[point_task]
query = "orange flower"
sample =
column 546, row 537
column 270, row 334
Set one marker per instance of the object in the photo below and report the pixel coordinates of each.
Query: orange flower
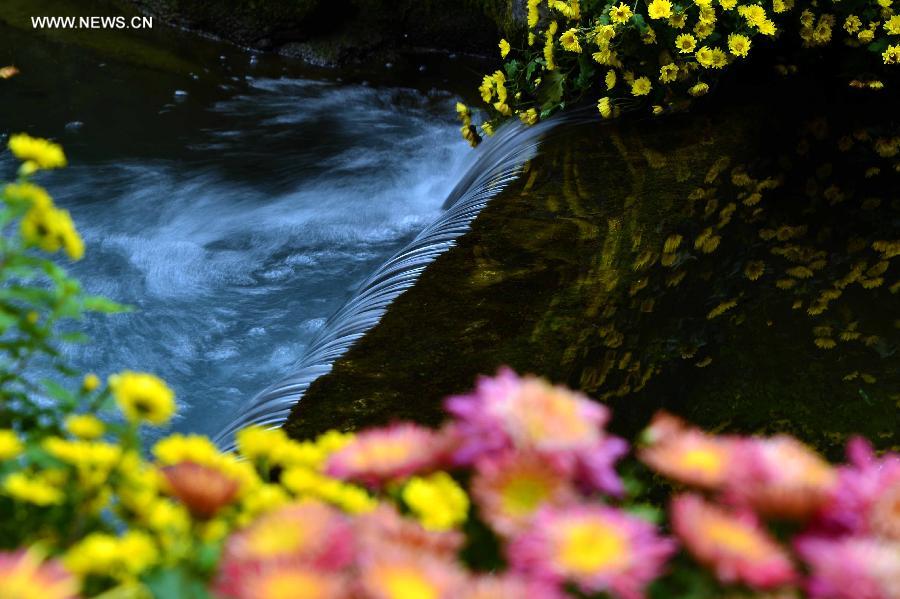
column 203, row 490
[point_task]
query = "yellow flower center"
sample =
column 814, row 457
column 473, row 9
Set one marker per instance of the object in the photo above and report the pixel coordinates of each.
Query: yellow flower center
column 704, row 459
column 408, row 584
column 288, row 585
column 590, row 547
column 270, row 538
column 522, row 495
column 733, row 537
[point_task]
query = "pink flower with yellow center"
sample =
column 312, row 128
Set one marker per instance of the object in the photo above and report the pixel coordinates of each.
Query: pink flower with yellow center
column 732, row 545
column 23, row 575
column 599, row 549
column 308, row 532
column 510, row 488
column 384, row 528
column 852, row 567
column 383, row 454
column 287, row 581
column 866, row 497
column 528, row 414
column 781, row 477
column 510, row 586
column 393, row 574
column 687, row 454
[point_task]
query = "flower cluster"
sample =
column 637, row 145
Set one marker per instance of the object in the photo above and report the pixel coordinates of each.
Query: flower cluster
column 541, row 475
column 664, row 52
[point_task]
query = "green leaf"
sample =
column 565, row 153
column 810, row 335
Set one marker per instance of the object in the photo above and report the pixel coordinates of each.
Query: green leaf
column 59, row 393
column 97, row 303
column 176, row 583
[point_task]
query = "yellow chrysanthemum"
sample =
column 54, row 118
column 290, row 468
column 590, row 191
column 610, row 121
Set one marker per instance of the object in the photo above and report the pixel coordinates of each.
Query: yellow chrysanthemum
column 85, row 426
column 604, row 105
column 37, row 152
column 891, row 55
column 51, row 229
column 437, row 501
column 529, row 117
column 892, row 25
column 569, row 40
column 143, row 397
column 620, row 14
column 668, row 73
column 504, row 48
column 738, row 44
column 259, row 443
column 659, row 9
column 22, row 487
column 610, row 79
column 641, row 86
column 10, row 445
column 685, row 43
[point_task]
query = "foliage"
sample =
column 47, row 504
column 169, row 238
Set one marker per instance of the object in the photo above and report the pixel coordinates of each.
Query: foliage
column 38, row 298
column 664, row 53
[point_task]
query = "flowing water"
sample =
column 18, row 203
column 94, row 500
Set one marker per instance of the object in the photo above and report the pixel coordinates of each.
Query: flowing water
column 236, row 206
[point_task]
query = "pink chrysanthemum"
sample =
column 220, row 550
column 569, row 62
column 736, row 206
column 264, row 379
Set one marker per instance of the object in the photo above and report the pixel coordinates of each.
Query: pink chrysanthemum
column 384, row 528
column 398, row 574
column 383, row 454
column 510, row 586
column 781, row 477
column 733, row 545
column 24, row 576
column 288, row 581
column 687, row 454
column 527, row 413
column 866, row 498
column 509, row 488
column 852, row 567
column 308, row 532
column 595, row 547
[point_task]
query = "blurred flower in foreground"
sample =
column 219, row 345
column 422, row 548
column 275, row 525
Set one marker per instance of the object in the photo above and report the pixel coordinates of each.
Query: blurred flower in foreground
column 596, row 547
column 527, row 413
column 308, row 532
column 781, row 477
column 866, row 499
column 143, row 397
column 507, row 586
column 286, row 580
column 386, row 528
column 397, row 574
column 203, row 490
column 852, row 567
column 437, row 501
column 687, row 454
column 383, row 454
column 10, row 445
column 8, row 72
column 24, row 576
column 734, row 546
column 510, row 488
column 36, row 152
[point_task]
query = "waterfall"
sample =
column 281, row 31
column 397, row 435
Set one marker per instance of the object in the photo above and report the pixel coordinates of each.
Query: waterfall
column 493, row 165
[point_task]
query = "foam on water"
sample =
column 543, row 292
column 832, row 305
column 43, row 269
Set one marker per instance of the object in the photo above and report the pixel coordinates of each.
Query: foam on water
column 237, row 253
